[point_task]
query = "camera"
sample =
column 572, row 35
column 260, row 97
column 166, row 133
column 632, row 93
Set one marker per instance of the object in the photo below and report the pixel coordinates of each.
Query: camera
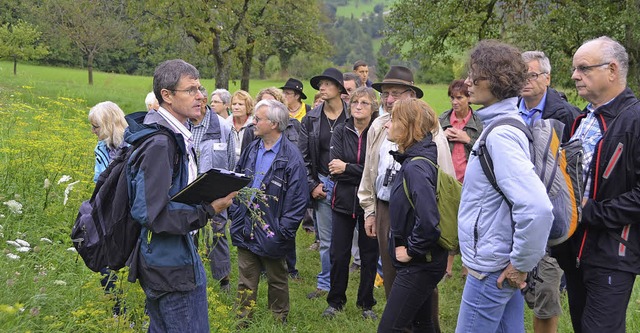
column 388, row 177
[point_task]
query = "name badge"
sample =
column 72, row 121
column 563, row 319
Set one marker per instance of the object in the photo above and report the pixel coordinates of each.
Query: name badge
column 219, row 146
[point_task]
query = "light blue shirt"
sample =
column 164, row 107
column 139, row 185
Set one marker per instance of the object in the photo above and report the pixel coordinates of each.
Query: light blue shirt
column 535, row 113
column 264, row 159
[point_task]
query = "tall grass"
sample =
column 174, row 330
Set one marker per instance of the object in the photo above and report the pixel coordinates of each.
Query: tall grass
column 44, row 135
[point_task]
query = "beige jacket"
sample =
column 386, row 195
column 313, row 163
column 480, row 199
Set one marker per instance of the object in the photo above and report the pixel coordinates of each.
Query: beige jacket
column 377, row 133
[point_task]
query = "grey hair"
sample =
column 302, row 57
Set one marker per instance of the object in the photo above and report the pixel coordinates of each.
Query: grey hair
column 150, row 99
column 350, row 76
column 277, row 113
column 543, row 60
column 224, row 95
column 168, row 74
column 614, row 51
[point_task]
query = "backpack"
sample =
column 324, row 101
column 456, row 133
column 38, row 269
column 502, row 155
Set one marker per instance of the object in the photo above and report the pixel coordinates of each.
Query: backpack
column 448, row 192
column 558, row 165
column 104, row 233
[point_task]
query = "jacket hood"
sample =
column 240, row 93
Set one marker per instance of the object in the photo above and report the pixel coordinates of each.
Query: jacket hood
column 153, row 122
column 426, row 148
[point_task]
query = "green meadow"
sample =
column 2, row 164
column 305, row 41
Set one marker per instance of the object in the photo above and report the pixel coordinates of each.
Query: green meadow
column 46, row 170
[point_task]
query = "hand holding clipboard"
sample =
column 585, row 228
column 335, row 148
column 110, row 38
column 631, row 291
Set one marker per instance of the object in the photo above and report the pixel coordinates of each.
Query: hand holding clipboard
column 211, row 185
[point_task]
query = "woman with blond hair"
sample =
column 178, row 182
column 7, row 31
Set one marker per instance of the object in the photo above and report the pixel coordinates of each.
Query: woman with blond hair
column 241, row 117
column 419, row 261
column 108, row 124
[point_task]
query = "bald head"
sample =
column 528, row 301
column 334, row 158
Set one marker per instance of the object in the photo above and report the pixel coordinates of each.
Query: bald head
column 600, row 68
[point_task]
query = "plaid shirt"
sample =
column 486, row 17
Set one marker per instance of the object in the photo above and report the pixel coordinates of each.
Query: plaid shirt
column 199, row 130
column 589, row 133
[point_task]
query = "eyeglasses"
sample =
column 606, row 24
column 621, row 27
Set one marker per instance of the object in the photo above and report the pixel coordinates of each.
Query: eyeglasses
column 532, row 76
column 192, row 91
column 393, row 94
column 361, row 103
column 587, row 69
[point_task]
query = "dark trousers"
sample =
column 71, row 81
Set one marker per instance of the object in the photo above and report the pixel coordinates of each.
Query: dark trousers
column 291, row 259
column 409, row 306
column 340, row 254
column 249, row 266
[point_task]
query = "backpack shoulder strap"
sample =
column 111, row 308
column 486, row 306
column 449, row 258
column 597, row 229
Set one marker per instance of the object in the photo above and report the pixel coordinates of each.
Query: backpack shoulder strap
column 404, row 181
column 486, row 162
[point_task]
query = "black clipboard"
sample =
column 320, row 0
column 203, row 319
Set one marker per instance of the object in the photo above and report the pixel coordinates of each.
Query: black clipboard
column 211, row 185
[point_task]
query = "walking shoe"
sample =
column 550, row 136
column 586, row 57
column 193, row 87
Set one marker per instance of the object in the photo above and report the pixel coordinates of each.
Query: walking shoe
column 314, row 246
column 330, row 312
column 354, row 267
column 295, row 276
column 317, row 293
column 369, row 314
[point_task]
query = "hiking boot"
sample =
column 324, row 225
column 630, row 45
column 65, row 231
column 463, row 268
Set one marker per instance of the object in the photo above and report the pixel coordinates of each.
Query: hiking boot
column 369, row 314
column 317, row 293
column 315, row 246
column 330, row 312
column 295, row 276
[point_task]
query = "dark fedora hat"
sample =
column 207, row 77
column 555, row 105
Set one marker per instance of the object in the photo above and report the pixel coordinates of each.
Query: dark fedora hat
column 294, row 85
column 329, row 74
column 398, row 76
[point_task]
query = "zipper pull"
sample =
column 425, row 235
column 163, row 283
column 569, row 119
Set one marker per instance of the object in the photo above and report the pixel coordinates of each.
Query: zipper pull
column 577, row 262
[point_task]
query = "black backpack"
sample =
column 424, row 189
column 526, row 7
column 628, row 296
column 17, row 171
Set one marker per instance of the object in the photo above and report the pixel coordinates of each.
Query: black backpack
column 104, row 233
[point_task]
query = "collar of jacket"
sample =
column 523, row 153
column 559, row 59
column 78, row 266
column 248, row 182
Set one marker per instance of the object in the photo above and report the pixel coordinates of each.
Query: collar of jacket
column 497, row 110
column 426, row 147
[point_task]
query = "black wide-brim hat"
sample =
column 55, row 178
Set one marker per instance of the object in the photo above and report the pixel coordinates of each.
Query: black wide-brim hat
column 296, row 86
column 398, row 76
column 331, row 74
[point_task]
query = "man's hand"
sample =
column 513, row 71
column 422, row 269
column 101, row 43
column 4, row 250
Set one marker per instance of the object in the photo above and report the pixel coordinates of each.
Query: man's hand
column 401, row 254
column 318, row 193
column 221, row 204
column 514, row 277
column 370, row 226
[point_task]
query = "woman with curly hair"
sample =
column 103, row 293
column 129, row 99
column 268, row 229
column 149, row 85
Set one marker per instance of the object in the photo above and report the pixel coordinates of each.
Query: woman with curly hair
column 502, row 235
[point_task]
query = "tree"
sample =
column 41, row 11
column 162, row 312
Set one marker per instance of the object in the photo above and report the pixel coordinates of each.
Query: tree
column 21, row 42
column 93, row 25
column 441, row 30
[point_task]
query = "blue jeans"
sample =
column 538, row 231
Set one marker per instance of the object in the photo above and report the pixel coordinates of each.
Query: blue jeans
column 178, row 311
column 485, row 308
column 323, row 219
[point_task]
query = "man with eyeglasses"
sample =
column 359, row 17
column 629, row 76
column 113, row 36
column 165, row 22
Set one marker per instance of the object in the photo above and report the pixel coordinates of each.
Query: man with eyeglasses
column 602, row 258
column 539, row 101
column 165, row 260
column 380, row 170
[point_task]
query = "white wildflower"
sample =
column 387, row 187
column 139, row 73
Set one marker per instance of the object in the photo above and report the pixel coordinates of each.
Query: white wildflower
column 23, row 242
column 47, row 183
column 14, row 206
column 64, row 179
column 72, row 249
column 59, row 283
column 68, row 190
column 13, row 256
column 1, row 216
column 23, row 249
column 46, row 240
column 14, row 243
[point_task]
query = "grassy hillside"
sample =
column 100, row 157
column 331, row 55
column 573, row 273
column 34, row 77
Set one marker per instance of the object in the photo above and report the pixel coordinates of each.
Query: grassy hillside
column 359, row 8
column 45, row 135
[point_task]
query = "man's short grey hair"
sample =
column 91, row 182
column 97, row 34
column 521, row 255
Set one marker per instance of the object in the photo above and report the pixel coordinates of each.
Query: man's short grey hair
column 543, row 60
column 614, row 51
column 150, row 99
column 350, row 76
column 168, row 74
column 224, row 95
column 277, row 113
